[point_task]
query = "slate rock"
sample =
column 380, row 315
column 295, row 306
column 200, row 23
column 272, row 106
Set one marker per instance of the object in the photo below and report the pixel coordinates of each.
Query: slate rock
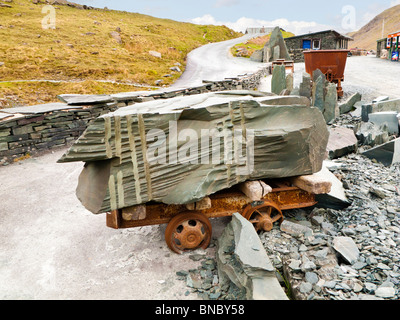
column 247, row 268
column 347, row 106
column 278, row 82
column 336, row 198
column 155, row 54
column 387, row 153
column 305, row 86
column 85, row 99
column 386, row 117
column 121, row 172
column 116, row 36
column 331, row 108
column 342, row 141
column 305, row 287
column 311, row 277
column 347, row 248
column 385, row 292
column 289, row 82
column 257, row 56
column 276, row 41
column 370, row 134
column 295, row 229
column 318, row 95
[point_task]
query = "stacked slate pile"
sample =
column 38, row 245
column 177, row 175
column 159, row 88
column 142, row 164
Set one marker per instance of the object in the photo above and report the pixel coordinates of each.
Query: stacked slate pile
column 41, row 127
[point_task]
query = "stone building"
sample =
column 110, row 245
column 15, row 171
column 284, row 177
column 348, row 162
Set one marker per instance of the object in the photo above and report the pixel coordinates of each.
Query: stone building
column 322, row 40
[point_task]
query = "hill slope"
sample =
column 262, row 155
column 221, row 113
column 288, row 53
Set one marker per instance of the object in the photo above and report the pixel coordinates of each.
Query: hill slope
column 246, row 49
column 89, row 45
column 366, row 37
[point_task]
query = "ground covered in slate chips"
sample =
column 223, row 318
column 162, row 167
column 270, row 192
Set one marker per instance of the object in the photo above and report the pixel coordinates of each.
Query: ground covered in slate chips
column 307, row 265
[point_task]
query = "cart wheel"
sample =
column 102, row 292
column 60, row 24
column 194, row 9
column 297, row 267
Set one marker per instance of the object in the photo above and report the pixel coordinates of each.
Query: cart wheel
column 329, row 75
column 188, row 231
column 263, row 214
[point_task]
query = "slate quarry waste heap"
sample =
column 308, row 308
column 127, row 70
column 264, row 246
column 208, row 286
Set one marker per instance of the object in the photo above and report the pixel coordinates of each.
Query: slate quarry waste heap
column 158, row 150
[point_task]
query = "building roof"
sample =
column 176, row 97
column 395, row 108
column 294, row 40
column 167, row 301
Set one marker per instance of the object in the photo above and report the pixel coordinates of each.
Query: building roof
column 393, row 33
column 337, row 34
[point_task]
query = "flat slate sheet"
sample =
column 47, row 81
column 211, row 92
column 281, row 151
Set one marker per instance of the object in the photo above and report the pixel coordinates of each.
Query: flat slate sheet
column 179, row 150
column 4, row 115
column 84, row 99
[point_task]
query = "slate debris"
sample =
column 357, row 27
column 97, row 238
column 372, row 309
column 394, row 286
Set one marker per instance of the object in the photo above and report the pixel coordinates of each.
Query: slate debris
column 370, row 228
column 204, row 281
column 308, row 265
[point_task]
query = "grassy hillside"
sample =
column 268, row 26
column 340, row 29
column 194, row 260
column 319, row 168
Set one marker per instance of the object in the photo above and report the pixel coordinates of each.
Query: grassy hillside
column 249, row 47
column 82, row 48
column 366, row 37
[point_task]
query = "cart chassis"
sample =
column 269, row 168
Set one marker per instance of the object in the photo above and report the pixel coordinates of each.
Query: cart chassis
column 222, row 204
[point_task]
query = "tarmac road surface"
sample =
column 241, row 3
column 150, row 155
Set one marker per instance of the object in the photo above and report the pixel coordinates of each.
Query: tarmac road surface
column 215, row 62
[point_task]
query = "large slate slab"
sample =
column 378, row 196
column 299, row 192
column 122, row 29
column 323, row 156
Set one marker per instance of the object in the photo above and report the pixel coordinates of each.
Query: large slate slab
column 247, row 264
column 276, row 48
column 278, row 81
column 341, row 141
column 380, row 106
column 387, row 153
column 386, row 117
column 85, row 99
column 4, row 115
column 126, row 164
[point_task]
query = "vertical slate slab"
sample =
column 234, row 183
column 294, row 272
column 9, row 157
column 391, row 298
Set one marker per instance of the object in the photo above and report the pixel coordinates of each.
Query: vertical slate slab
column 276, row 41
column 387, row 154
column 242, row 260
column 331, row 111
column 318, row 99
column 278, row 82
column 289, row 82
column 366, row 109
column 305, row 86
column 276, row 53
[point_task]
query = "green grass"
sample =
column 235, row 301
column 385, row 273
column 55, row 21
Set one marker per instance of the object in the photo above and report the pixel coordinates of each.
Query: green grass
column 254, row 44
column 81, row 48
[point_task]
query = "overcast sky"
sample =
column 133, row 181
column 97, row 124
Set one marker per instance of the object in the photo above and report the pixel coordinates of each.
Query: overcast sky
column 295, row 16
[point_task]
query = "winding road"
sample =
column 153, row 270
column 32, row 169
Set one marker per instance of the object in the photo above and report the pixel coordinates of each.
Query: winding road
column 215, row 62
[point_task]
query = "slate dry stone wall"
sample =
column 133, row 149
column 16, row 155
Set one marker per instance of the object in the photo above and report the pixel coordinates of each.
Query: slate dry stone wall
column 24, row 133
column 32, row 129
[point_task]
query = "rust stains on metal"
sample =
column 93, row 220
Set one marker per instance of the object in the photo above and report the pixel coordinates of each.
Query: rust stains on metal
column 332, row 63
column 222, row 204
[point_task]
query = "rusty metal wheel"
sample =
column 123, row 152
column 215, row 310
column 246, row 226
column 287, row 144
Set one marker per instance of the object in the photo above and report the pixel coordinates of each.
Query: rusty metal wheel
column 263, row 215
column 188, row 231
column 330, row 76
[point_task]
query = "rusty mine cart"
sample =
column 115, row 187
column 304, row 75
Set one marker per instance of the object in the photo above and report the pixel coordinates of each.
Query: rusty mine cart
column 189, row 226
column 331, row 63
